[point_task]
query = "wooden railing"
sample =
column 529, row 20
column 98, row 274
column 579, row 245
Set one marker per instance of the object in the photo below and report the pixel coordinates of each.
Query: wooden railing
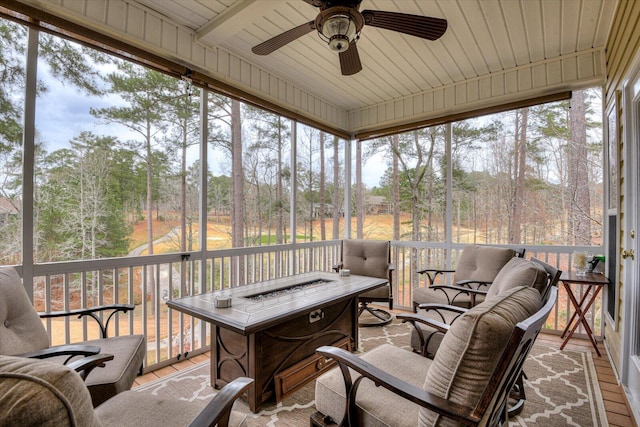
column 149, row 281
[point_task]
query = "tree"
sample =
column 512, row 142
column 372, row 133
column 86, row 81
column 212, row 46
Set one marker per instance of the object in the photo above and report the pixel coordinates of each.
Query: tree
column 185, row 121
column 272, row 136
column 520, row 163
column 578, row 185
column 69, row 63
column 140, row 89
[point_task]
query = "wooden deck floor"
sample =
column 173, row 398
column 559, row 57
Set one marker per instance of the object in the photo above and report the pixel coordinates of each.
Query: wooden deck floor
column 615, row 402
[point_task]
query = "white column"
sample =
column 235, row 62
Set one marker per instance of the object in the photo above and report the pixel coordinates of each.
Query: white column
column 449, row 192
column 293, row 196
column 204, row 168
column 28, row 161
column 347, row 188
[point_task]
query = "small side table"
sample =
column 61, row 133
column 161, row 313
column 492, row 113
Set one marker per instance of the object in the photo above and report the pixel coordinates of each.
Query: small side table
column 594, row 283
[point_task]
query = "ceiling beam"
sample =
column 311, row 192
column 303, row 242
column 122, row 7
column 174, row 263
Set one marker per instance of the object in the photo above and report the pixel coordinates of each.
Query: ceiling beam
column 229, row 22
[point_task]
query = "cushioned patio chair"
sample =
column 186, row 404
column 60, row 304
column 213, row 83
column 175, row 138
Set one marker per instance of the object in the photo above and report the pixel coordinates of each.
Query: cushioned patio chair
column 476, row 268
column 22, row 333
column 41, row 393
column 467, row 383
column 370, row 258
column 433, row 320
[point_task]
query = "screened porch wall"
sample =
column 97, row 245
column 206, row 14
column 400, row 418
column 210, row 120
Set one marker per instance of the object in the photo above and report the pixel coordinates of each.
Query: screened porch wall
column 172, row 336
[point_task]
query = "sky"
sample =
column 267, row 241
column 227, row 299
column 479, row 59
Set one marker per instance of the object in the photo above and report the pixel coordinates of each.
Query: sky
column 63, row 112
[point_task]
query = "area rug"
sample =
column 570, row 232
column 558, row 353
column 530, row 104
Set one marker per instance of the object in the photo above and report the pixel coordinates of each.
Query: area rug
column 562, row 387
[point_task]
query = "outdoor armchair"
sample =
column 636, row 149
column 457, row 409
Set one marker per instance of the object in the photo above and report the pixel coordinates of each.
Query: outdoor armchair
column 433, row 321
column 41, row 393
column 370, row 258
column 468, row 382
column 476, row 268
column 22, row 333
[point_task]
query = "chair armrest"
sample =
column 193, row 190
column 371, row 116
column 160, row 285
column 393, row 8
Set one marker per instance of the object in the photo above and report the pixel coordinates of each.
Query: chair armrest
column 70, row 350
column 468, row 283
column 436, row 307
column 87, row 364
column 432, row 273
column 416, row 318
column 454, row 411
column 91, row 311
column 434, row 270
column 425, row 335
column 218, row 411
column 459, row 290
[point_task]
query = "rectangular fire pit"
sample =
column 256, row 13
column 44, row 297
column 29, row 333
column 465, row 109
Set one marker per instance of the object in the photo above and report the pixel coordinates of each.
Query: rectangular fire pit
column 272, row 329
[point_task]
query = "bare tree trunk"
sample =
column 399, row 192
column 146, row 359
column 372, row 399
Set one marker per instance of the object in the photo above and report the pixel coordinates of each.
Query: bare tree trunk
column 336, row 188
column 359, row 192
column 396, row 189
column 515, row 234
column 237, row 205
column 580, row 203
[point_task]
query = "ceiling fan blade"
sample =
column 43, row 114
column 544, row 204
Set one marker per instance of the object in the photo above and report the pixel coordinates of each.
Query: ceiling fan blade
column 424, row 27
column 350, row 60
column 280, row 40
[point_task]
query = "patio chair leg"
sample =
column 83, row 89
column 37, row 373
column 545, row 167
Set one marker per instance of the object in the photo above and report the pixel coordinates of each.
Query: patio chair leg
column 517, row 396
column 384, row 317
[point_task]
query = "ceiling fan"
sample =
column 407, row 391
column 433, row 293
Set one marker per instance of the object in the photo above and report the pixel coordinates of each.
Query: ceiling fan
column 339, row 24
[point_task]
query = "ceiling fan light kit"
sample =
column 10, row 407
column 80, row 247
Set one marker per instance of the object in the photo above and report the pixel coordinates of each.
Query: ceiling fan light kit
column 339, row 24
column 339, row 27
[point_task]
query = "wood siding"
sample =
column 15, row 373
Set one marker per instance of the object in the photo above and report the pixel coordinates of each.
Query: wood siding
column 622, row 47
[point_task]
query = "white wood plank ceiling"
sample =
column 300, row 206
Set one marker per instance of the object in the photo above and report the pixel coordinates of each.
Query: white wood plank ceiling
column 494, row 51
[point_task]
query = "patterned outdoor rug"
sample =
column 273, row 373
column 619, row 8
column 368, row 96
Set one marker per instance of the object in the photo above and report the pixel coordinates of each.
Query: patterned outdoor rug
column 562, row 387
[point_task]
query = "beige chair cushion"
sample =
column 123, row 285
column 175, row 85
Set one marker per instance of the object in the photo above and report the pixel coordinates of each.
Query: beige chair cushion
column 482, row 263
column 135, row 409
column 21, row 329
column 519, row 272
column 476, row 262
column 469, row 352
column 377, row 406
column 40, row 393
column 128, row 354
column 366, row 257
column 379, row 293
